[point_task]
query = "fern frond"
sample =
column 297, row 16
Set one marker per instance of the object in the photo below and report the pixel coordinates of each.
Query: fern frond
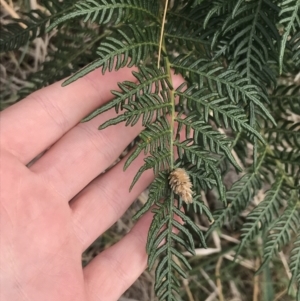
column 226, row 83
column 289, row 159
column 182, row 13
column 158, row 161
column 239, row 196
column 280, row 233
column 295, row 43
column 155, row 136
column 158, row 189
column 147, row 81
column 113, row 11
column 290, row 20
column 219, row 9
column 128, row 47
column 149, row 107
column 262, row 216
column 206, row 136
column 161, row 244
column 286, row 98
column 178, row 35
column 295, row 263
column 285, row 133
column 201, row 180
column 210, row 105
column 254, row 39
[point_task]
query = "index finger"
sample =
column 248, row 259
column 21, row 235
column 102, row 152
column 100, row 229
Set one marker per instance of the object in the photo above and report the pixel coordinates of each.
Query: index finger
column 32, row 125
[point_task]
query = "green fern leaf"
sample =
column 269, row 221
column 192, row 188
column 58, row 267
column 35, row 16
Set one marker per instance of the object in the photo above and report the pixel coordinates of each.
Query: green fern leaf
column 286, row 99
column 160, row 244
column 103, row 11
column 227, row 83
column 158, row 190
column 295, row 263
column 147, row 81
column 126, row 48
column 182, row 13
column 205, row 135
column 285, row 133
column 262, row 216
column 227, row 113
column 155, row 136
column 254, row 40
column 238, row 197
column 179, row 35
column 240, row 194
column 149, row 106
column 201, row 179
column 280, row 233
column 157, row 161
column 290, row 19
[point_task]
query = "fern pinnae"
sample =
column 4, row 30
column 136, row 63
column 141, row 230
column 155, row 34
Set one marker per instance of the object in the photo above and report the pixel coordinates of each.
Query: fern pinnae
column 227, row 82
column 203, row 132
column 295, row 264
column 295, row 42
column 197, row 157
column 146, row 81
column 148, row 107
column 158, row 190
column 240, row 194
column 153, row 137
column 104, row 12
column 125, row 49
column 287, row 132
column 227, row 113
column 157, row 161
column 262, row 215
column 290, row 19
column 281, row 231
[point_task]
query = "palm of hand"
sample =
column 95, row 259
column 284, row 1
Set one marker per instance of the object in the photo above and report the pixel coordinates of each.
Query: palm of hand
column 41, row 256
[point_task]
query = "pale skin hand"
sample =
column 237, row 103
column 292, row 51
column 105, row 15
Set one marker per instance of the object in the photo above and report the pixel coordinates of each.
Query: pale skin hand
column 53, row 210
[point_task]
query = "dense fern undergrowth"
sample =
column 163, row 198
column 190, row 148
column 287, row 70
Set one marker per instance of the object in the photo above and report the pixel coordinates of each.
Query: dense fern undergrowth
column 237, row 109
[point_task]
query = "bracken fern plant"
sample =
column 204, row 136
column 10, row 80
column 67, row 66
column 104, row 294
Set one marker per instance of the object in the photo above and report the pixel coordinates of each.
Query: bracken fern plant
column 237, row 109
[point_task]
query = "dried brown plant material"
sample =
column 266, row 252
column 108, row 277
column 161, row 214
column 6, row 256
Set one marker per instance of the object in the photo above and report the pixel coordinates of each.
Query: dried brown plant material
column 181, row 184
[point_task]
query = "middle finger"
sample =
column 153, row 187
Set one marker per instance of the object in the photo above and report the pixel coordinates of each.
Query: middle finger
column 82, row 154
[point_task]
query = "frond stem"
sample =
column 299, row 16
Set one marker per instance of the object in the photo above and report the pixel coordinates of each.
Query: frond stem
column 172, row 103
column 162, row 32
column 169, row 240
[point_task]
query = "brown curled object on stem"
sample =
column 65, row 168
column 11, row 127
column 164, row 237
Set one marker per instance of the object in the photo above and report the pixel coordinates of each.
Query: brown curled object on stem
column 181, row 184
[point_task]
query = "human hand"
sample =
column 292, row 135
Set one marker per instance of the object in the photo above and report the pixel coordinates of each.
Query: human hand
column 53, row 210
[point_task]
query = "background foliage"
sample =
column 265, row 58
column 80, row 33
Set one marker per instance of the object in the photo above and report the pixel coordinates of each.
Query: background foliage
column 238, row 110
